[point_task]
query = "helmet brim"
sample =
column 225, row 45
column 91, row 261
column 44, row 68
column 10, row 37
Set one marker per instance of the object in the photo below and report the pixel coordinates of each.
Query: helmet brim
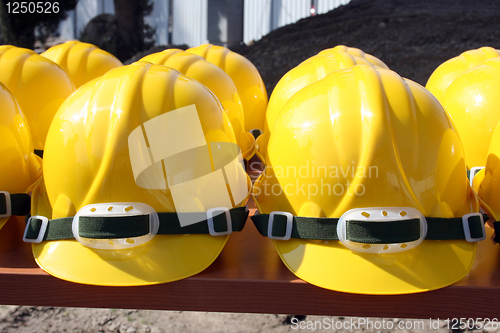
column 431, row 265
column 165, row 258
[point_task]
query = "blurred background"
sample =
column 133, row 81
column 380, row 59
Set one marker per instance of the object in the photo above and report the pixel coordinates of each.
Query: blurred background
column 412, row 37
column 125, row 27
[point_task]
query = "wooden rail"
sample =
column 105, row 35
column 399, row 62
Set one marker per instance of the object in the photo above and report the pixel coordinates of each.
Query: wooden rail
column 247, row 277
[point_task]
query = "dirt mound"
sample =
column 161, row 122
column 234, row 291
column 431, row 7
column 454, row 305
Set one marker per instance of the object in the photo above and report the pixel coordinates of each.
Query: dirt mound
column 412, row 37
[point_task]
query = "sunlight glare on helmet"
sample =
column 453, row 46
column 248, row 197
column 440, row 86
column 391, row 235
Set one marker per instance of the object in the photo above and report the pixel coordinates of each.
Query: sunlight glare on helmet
column 334, row 117
column 478, row 99
column 365, row 113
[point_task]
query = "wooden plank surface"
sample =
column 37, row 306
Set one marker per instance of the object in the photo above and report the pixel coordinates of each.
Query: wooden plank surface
column 248, row 277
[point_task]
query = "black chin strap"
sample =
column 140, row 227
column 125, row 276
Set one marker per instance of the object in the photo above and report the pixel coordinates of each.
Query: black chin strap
column 372, row 232
column 113, row 227
column 18, row 204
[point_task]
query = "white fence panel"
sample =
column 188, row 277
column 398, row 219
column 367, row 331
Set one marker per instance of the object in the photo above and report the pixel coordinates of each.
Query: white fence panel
column 85, row 10
column 256, row 19
column 289, row 11
column 158, row 19
column 189, row 22
column 189, row 17
column 263, row 16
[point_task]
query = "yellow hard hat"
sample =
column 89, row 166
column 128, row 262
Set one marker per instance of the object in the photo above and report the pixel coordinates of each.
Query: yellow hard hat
column 19, row 166
column 82, row 61
column 471, row 100
column 141, row 182
column 365, row 188
column 218, row 82
column 39, row 86
column 246, row 78
column 486, row 183
column 447, row 72
column 309, row 71
column 356, row 53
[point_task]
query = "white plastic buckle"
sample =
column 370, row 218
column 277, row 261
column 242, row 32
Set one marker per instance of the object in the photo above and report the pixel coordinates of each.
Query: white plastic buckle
column 114, row 210
column 289, row 226
column 41, row 232
column 8, row 204
column 465, row 224
column 381, row 214
column 210, row 221
column 472, row 173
